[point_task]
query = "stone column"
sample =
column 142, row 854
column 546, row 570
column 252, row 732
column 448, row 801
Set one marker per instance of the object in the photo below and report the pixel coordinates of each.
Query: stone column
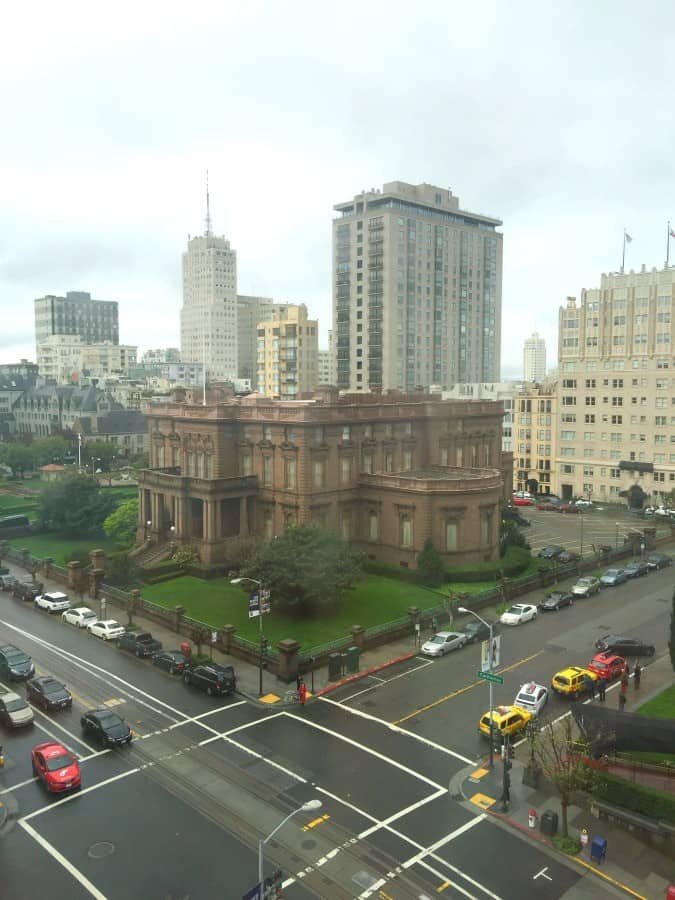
column 288, row 659
column 243, row 517
column 226, row 635
column 178, row 613
column 74, row 575
column 358, row 636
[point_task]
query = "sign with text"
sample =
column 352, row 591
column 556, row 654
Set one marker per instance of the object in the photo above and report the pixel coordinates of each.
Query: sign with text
column 490, row 676
column 490, row 655
column 253, row 606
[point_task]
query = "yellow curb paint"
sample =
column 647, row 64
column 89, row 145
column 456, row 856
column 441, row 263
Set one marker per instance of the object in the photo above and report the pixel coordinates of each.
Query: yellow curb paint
column 442, row 887
column 479, row 773
column 269, row 698
column 608, row 878
column 482, row 800
column 467, row 687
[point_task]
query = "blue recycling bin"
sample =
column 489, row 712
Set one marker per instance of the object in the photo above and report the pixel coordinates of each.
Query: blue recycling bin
column 599, row 849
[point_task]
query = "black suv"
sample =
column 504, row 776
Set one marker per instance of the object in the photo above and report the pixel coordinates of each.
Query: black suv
column 212, row 678
column 15, row 665
column 551, row 552
column 106, row 726
column 26, row 590
column 476, row 631
column 624, row 646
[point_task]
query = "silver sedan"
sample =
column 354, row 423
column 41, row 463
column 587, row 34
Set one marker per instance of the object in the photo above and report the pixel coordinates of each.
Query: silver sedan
column 443, row 643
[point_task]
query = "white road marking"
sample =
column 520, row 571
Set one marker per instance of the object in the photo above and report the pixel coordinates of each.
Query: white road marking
column 62, row 728
column 444, row 840
column 397, row 728
column 212, row 712
column 443, row 877
column 542, row 874
column 402, row 813
column 374, row 687
column 71, row 797
column 15, row 787
column 68, row 866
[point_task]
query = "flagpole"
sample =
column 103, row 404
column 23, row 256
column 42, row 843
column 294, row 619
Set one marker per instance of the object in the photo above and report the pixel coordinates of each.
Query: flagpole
column 623, row 252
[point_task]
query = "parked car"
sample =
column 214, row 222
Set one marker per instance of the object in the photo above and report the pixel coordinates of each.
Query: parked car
column 573, row 681
column 555, row 601
column 107, row 630
column 505, row 720
column 612, row 577
column 106, row 727
column 532, row 697
column 443, row 643
column 636, row 569
column 567, row 556
column 550, row 552
column 523, row 495
column 547, row 506
column 172, row 661
column 522, row 501
column 518, row 613
column 15, row 665
column 48, row 693
column 212, row 678
column 658, row 560
column 582, row 501
column 26, row 590
column 475, row 631
column 569, row 508
column 56, row 767
column 14, row 711
column 81, row 617
column 607, row 665
column 586, row 586
column 624, row 646
column 142, row 643
column 53, row 602
column 7, row 582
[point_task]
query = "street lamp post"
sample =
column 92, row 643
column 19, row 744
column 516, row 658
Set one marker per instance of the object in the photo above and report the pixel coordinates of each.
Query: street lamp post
column 310, row 806
column 148, row 526
column 463, row 609
column 581, row 545
column 260, row 627
column 616, row 535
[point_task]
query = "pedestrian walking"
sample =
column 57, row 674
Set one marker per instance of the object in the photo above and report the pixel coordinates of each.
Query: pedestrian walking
column 622, row 701
column 602, row 687
column 589, row 684
column 637, row 674
column 302, row 692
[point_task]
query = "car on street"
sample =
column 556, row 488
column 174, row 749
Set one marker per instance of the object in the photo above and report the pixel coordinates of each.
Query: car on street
column 80, row 616
column 555, row 601
column 547, row 506
column 475, row 631
column 583, row 502
column 26, row 590
column 624, row 646
column 522, row 501
column 573, row 681
column 141, row 643
column 15, row 665
column 443, row 642
column 569, row 508
column 550, row 552
column 48, row 693
column 14, row 711
column 172, row 661
column 612, row 577
column 107, row 630
column 7, row 582
column 567, row 556
column 658, row 560
column 518, row 613
column 53, row 602
column 56, row 767
column 584, row 587
column 607, row 665
column 106, row 727
column 506, row 720
column 636, row 569
column 213, row 678
column 531, row 697
column 523, row 495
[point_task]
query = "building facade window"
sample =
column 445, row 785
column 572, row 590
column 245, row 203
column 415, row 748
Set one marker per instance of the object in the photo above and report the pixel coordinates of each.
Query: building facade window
column 319, row 473
column 267, row 470
column 289, row 474
column 451, row 536
column 406, row 530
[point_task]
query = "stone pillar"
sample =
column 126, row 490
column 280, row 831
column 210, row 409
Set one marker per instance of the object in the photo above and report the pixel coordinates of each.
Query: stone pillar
column 243, row 517
column 97, row 558
column 226, row 635
column 288, row 659
column 95, row 579
column 413, row 615
column 75, row 575
column 358, row 636
column 178, row 613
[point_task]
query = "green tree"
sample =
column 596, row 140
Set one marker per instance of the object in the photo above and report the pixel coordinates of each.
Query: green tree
column 18, row 457
column 671, row 642
column 74, row 506
column 121, row 570
column 306, row 569
column 430, row 568
column 120, row 526
column 48, row 450
column 99, row 454
column 510, row 536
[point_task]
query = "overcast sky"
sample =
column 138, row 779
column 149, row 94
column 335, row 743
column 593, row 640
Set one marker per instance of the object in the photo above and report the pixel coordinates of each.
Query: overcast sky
column 557, row 118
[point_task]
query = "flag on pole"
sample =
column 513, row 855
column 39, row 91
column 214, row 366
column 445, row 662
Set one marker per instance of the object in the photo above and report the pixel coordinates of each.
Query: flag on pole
column 672, row 233
column 629, row 239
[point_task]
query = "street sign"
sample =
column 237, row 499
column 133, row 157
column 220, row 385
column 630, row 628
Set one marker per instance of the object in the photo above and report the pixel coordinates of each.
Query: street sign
column 254, row 893
column 490, row 676
column 489, row 656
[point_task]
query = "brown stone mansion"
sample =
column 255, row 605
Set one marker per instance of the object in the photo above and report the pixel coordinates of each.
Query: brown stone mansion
column 385, row 472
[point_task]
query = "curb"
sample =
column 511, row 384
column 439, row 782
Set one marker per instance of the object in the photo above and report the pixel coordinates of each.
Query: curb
column 574, row 859
column 358, row 675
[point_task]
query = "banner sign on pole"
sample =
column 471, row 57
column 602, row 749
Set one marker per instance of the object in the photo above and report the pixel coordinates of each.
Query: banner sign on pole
column 490, row 655
column 253, row 606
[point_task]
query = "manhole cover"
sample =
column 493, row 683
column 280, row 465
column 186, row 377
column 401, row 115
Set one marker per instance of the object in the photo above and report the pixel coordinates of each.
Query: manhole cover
column 308, row 845
column 101, row 849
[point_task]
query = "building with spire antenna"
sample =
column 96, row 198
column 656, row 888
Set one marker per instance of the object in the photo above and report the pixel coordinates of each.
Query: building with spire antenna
column 208, row 319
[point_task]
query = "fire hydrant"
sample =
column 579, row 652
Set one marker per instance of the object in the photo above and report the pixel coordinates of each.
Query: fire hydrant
column 532, row 818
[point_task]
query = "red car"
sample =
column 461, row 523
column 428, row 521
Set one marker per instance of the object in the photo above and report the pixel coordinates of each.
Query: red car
column 568, row 508
column 56, row 767
column 547, row 505
column 607, row 665
column 522, row 501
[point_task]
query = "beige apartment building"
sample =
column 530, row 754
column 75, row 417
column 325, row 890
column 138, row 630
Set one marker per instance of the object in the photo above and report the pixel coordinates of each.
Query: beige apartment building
column 288, row 349
column 616, row 388
column 250, row 312
column 417, row 290
column 535, row 438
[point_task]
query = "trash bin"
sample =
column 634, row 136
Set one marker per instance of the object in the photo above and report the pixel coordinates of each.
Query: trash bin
column 352, row 659
column 334, row 666
column 549, row 822
column 598, row 848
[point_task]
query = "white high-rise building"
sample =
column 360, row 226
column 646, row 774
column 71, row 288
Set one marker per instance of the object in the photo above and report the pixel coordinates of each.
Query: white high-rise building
column 534, row 359
column 208, row 319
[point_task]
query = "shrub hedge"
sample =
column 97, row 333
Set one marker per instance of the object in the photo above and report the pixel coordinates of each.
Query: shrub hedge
column 514, row 561
column 637, row 797
column 374, row 567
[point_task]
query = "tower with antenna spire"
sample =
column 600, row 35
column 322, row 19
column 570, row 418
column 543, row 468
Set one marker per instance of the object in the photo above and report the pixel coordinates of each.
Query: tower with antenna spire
column 208, row 318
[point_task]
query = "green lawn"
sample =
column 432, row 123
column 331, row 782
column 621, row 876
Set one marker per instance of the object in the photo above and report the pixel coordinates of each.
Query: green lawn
column 660, row 707
column 373, row 601
column 57, row 547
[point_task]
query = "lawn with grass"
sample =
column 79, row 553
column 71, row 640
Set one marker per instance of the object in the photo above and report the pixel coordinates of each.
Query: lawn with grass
column 660, row 707
column 56, row 546
column 373, row 601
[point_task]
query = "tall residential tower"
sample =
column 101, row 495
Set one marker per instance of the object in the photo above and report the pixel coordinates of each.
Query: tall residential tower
column 77, row 315
column 417, row 290
column 534, row 359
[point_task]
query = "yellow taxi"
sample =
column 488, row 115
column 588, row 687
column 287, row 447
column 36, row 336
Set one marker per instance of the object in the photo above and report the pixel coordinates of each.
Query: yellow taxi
column 505, row 720
column 574, row 681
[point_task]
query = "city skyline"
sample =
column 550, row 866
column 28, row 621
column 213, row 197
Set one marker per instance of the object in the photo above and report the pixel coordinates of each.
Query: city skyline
column 108, row 206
